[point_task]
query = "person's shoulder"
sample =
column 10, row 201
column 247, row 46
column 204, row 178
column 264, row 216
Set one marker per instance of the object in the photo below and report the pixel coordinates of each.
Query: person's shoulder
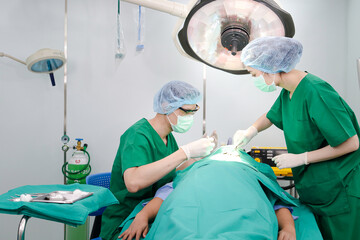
column 317, row 86
column 141, row 127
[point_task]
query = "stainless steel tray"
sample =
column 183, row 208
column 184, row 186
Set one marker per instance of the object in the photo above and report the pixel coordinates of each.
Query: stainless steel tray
column 66, row 197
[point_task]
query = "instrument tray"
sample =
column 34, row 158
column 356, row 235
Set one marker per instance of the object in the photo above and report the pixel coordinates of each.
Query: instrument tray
column 62, row 197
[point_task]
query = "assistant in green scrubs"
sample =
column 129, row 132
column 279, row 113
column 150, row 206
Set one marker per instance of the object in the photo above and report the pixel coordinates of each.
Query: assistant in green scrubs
column 321, row 133
column 316, row 116
column 139, row 145
column 148, row 153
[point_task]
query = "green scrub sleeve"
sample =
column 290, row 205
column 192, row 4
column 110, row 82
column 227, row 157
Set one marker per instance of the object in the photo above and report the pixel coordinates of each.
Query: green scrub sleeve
column 275, row 113
column 330, row 114
column 135, row 153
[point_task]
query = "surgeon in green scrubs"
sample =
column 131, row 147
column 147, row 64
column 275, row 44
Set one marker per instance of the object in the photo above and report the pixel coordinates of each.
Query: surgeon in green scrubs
column 148, row 153
column 321, row 134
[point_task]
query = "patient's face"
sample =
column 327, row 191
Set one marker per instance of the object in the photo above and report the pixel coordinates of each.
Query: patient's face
column 229, row 154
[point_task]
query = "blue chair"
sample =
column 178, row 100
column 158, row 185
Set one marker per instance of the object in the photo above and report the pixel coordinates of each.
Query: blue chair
column 103, row 180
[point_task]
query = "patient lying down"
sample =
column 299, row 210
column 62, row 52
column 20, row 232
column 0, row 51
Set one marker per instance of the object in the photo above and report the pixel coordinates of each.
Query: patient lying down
column 140, row 226
column 227, row 195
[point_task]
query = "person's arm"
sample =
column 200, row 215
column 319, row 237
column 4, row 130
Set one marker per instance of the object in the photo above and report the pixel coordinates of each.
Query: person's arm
column 186, row 164
column 286, row 224
column 333, row 119
column 289, row 160
column 328, row 152
column 138, row 178
column 140, row 226
column 243, row 137
column 262, row 123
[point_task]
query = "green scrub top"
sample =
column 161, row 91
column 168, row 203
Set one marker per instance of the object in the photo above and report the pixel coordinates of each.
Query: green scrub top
column 139, row 145
column 316, row 116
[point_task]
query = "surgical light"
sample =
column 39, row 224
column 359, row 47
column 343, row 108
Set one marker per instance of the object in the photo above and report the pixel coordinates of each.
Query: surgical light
column 43, row 61
column 215, row 31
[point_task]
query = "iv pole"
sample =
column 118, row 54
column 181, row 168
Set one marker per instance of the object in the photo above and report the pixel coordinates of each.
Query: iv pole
column 204, row 99
column 65, row 139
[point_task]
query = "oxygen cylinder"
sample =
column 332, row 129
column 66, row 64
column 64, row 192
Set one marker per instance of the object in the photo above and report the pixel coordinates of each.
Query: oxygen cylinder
column 78, row 167
column 76, row 170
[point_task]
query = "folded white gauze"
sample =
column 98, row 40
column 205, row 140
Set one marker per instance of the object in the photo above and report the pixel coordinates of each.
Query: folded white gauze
column 56, row 197
column 25, row 197
column 79, row 193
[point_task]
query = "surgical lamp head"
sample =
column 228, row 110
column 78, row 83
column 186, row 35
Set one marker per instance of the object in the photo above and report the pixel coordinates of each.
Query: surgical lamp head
column 215, row 32
column 272, row 54
column 173, row 95
column 43, row 61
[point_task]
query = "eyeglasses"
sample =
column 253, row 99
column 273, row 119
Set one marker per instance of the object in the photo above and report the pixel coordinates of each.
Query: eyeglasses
column 190, row 110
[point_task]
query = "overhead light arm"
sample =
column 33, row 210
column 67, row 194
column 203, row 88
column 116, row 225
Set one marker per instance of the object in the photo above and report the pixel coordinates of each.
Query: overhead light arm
column 11, row 57
column 173, row 8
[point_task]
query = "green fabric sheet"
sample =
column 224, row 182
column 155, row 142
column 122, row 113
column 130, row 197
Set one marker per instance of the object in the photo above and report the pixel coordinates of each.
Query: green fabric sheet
column 227, row 195
column 72, row 214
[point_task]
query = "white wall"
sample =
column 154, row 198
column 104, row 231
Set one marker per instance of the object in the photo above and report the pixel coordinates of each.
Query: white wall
column 353, row 52
column 105, row 98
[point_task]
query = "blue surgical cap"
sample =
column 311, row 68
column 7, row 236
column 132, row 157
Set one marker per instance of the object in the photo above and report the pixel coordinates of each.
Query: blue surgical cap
column 173, row 95
column 272, row 54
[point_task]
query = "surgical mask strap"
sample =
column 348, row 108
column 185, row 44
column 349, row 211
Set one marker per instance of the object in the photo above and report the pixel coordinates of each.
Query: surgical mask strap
column 171, row 124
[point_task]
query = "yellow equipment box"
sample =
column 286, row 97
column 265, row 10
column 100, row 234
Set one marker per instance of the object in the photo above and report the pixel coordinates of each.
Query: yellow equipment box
column 265, row 155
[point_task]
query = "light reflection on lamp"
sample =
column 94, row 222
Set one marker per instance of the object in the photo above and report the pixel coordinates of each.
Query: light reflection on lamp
column 43, row 61
column 215, row 32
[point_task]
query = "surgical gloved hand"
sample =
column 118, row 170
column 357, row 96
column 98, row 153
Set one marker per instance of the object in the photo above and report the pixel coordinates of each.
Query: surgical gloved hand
column 289, row 160
column 214, row 136
column 243, row 137
column 199, row 148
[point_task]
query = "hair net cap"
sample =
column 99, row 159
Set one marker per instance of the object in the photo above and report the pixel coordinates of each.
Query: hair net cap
column 272, row 54
column 173, row 95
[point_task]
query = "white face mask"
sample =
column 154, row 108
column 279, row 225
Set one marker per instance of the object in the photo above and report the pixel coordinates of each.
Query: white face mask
column 260, row 83
column 183, row 124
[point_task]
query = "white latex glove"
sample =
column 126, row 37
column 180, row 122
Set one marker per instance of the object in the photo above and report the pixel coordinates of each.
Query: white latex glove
column 199, row 148
column 214, row 136
column 289, row 160
column 242, row 137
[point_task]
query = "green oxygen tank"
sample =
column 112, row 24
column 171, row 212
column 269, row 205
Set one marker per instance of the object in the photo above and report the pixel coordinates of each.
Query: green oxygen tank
column 76, row 170
column 78, row 233
column 78, row 167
